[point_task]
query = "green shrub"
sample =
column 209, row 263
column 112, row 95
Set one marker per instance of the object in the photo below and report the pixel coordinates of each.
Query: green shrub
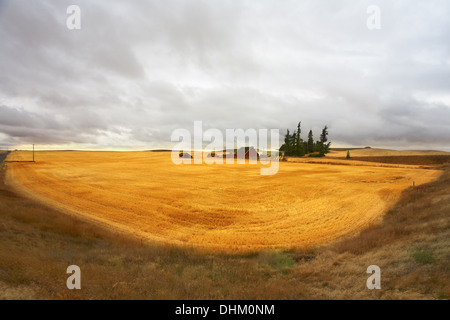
column 277, row 260
column 315, row 155
column 442, row 296
column 423, row 256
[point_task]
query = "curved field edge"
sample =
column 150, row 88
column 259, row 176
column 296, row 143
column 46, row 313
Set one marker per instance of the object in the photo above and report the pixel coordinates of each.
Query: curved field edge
column 411, row 245
column 220, row 208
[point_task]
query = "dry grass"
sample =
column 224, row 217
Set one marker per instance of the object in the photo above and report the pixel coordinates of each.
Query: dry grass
column 411, row 245
column 220, row 207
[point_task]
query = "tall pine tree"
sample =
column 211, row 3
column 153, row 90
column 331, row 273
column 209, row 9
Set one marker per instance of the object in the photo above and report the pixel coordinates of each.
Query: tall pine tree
column 287, row 144
column 293, row 143
column 299, row 147
column 310, row 142
column 324, row 147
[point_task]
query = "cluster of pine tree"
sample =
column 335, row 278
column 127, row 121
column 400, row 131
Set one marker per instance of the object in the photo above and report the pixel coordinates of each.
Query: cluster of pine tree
column 294, row 145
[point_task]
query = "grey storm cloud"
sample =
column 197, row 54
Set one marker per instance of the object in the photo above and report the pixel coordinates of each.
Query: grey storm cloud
column 138, row 70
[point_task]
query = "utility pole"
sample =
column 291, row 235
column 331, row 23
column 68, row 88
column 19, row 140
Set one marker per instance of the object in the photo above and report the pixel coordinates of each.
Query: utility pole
column 33, row 152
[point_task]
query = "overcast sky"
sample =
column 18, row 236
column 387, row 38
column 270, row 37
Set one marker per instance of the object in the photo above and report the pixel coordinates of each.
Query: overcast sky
column 138, row 70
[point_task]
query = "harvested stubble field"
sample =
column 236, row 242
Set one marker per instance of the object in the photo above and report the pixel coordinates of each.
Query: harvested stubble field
column 219, row 207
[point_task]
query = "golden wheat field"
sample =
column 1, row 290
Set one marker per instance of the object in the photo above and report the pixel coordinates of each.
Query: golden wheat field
column 220, row 207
